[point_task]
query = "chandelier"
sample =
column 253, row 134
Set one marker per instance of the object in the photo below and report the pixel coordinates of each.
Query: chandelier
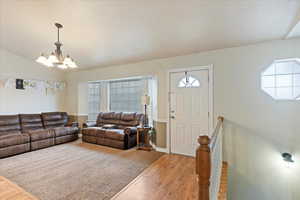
column 56, row 58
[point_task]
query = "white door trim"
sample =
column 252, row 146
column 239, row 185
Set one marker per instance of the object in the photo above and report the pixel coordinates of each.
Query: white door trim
column 210, row 69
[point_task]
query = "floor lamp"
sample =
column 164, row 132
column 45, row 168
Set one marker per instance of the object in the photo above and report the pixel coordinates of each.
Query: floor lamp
column 145, row 102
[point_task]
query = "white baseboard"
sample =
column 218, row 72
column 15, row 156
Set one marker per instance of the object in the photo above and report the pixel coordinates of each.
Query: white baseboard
column 164, row 150
column 159, row 149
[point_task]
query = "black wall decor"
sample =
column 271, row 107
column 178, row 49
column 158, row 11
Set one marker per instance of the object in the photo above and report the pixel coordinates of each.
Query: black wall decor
column 20, row 84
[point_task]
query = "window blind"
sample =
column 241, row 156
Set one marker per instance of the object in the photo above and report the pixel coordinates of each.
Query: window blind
column 125, row 95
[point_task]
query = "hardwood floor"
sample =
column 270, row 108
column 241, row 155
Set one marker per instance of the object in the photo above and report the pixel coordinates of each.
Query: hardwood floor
column 10, row 191
column 172, row 177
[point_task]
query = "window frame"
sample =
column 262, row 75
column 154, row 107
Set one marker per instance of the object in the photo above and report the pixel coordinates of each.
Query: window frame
column 275, row 76
column 92, row 116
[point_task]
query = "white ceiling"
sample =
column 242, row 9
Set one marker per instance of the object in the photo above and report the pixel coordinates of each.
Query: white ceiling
column 107, row 32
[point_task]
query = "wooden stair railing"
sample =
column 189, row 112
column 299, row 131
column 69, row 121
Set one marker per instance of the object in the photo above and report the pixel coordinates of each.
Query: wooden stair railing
column 203, row 161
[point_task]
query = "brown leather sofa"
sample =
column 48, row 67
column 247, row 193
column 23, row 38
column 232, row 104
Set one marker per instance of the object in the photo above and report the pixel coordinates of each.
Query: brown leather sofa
column 114, row 129
column 28, row 132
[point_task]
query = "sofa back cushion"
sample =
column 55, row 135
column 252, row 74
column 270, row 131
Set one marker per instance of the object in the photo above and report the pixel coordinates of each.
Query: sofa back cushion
column 108, row 118
column 9, row 124
column 128, row 116
column 130, row 119
column 118, row 118
column 31, row 122
column 54, row 119
column 108, row 115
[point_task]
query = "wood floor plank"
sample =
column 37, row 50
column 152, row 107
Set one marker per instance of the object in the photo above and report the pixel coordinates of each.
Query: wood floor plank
column 172, row 177
column 11, row 191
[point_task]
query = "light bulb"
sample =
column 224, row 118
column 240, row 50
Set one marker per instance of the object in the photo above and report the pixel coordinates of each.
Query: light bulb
column 52, row 58
column 67, row 60
column 48, row 64
column 72, row 65
column 41, row 59
column 62, row 66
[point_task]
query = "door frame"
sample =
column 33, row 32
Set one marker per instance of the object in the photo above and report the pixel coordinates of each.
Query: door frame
column 210, row 69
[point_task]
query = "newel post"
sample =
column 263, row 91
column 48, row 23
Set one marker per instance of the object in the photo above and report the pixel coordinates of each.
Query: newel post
column 203, row 167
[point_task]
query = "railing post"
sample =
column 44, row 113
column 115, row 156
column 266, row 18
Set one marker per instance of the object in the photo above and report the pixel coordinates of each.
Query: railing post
column 203, row 167
column 221, row 119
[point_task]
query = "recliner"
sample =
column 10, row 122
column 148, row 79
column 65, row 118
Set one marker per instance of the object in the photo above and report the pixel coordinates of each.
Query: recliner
column 12, row 140
column 63, row 131
column 28, row 132
column 40, row 137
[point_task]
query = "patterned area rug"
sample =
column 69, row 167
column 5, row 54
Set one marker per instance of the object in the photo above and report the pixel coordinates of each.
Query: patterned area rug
column 76, row 171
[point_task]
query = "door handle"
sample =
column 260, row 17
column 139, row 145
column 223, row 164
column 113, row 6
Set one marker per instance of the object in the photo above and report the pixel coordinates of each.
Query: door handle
column 172, row 117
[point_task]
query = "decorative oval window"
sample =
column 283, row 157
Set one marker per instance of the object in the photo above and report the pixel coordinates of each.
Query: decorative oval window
column 188, row 82
column 281, row 80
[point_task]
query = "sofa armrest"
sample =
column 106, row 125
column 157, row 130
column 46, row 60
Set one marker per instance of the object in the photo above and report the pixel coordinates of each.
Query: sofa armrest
column 130, row 130
column 73, row 124
column 89, row 124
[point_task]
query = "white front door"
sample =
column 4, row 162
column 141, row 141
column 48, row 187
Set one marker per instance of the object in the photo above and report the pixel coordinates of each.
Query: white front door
column 189, row 110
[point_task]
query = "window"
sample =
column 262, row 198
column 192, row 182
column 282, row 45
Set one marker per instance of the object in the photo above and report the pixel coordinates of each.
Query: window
column 93, row 100
column 281, row 80
column 188, row 82
column 125, row 95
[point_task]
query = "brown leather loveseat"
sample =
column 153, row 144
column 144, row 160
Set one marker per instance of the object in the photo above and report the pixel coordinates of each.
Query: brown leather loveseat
column 114, row 129
column 28, row 132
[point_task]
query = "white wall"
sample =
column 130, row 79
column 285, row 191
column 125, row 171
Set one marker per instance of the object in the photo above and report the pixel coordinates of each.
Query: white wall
column 28, row 101
column 257, row 128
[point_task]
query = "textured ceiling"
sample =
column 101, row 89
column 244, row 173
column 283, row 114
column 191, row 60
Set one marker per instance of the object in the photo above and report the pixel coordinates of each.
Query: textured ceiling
column 106, row 32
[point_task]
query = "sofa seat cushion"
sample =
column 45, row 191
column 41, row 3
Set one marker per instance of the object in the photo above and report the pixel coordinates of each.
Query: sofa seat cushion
column 63, row 131
column 115, row 134
column 10, row 133
column 94, row 131
column 41, row 134
column 13, row 139
column 109, row 126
